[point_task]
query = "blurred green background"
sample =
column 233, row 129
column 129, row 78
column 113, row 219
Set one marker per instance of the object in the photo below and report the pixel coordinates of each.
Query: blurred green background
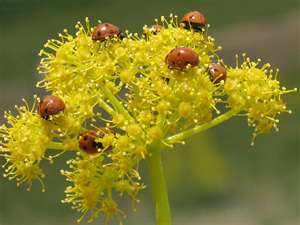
column 217, row 178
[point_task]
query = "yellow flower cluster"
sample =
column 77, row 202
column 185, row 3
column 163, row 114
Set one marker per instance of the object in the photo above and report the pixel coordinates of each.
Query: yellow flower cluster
column 23, row 142
column 255, row 90
column 93, row 182
column 126, row 86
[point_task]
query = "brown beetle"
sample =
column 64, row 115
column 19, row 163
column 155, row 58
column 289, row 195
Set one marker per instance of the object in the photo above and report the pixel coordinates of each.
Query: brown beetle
column 105, row 30
column 87, row 140
column 194, row 20
column 50, row 105
column 179, row 58
column 156, row 28
column 217, row 72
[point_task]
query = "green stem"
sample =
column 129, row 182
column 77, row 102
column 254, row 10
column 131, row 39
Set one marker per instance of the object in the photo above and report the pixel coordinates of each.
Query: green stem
column 159, row 187
column 116, row 102
column 106, row 107
column 55, row 145
column 188, row 133
column 58, row 146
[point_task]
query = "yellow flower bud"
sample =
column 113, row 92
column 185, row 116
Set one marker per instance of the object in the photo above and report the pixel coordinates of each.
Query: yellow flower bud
column 134, row 130
column 155, row 133
column 185, row 109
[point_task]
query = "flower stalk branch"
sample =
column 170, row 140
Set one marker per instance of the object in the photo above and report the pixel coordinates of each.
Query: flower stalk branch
column 106, row 107
column 190, row 132
column 116, row 103
column 56, row 146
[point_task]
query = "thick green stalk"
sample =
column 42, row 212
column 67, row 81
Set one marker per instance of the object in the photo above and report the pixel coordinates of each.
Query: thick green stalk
column 159, row 187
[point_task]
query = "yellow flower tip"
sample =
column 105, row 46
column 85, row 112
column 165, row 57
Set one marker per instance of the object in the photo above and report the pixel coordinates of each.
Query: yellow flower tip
column 141, row 151
column 145, row 117
column 185, row 109
column 163, row 107
column 122, row 142
column 133, row 130
column 155, row 133
column 126, row 76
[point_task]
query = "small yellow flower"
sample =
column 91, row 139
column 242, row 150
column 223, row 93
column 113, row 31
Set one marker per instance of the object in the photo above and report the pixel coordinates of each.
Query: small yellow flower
column 155, row 133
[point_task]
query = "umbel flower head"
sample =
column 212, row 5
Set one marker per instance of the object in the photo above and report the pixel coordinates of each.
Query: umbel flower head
column 114, row 94
column 23, row 143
